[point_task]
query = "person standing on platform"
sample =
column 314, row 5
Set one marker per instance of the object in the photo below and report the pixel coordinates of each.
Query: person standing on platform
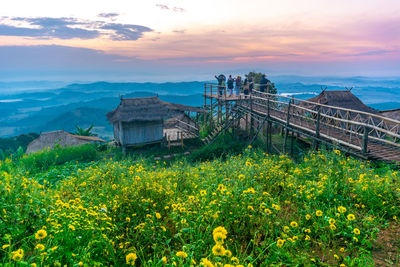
column 263, row 83
column 230, row 85
column 221, row 83
column 238, row 85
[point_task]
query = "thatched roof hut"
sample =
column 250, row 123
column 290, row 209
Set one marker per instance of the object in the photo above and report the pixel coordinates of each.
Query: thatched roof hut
column 393, row 114
column 62, row 138
column 140, row 120
column 342, row 99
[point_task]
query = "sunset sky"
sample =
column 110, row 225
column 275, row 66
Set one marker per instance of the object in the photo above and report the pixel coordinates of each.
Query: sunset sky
column 170, row 40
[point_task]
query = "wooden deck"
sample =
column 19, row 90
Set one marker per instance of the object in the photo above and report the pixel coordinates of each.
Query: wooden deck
column 366, row 135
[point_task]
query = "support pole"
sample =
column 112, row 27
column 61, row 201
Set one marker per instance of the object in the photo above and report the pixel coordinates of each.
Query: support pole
column 251, row 116
column 205, row 104
column 317, row 129
column 286, row 128
column 365, row 141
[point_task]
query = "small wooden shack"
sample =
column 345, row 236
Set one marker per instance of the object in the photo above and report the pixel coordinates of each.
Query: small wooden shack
column 139, row 121
column 62, row 138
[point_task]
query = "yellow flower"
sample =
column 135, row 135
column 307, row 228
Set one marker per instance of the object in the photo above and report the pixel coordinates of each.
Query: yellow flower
column 307, row 231
column 128, row 219
column 17, row 255
column 318, row 213
column 39, row 247
column 294, row 224
column 33, row 264
column 164, row 259
column 54, row 248
column 219, row 237
column 356, row 231
column 286, row 229
column 332, row 227
column 71, row 227
column 220, row 229
column 181, row 254
column 341, row 250
column 332, row 221
column 235, row 260
column 307, row 237
column 268, row 211
column 41, row 234
column 131, row 258
column 5, row 246
column 355, row 238
column 218, row 250
column 158, row 215
column 280, row 243
column 308, row 216
column 80, row 263
column 228, row 253
column 351, row 217
column 276, row 207
column 342, row 265
column 342, row 209
column 206, row 263
column 203, row 193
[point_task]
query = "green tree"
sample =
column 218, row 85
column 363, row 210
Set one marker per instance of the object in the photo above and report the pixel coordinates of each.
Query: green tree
column 257, row 78
column 84, row 132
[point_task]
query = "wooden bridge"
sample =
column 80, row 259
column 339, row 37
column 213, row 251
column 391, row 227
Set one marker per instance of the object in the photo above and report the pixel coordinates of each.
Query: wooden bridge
column 363, row 134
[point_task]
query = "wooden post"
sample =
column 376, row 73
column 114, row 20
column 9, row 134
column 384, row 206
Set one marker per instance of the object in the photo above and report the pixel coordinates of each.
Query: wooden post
column 292, row 144
column 205, row 103
column 317, row 129
column 182, row 139
column 286, row 128
column 225, row 102
column 268, row 127
column 211, row 107
column 251, row 116
column 169, row 142
column 365, row 141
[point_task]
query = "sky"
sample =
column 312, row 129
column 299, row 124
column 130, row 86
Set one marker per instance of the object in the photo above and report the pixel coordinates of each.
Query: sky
column 174, row 40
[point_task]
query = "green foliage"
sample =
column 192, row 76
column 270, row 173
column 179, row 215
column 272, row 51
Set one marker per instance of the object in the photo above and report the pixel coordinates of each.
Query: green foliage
column 10, row 145
column 224, row 145
column 257, row 78
column 43, row 160
column 84, row 132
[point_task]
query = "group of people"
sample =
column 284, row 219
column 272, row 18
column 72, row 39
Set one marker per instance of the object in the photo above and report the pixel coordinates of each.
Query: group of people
column 236, row 85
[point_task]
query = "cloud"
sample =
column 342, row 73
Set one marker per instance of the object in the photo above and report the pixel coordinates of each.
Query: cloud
column 175, row 9
column 125, row 31
column 69, row 28
column 162, row 6
column 111, row 16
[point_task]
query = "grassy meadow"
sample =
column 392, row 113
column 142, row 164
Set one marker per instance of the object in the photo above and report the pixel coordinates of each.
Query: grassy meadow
column 79, row 207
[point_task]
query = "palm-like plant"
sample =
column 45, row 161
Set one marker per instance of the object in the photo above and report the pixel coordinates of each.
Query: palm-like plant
column 84, row 132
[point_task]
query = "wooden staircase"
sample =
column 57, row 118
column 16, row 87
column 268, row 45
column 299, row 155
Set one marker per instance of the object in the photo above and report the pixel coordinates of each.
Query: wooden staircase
column 234, row 115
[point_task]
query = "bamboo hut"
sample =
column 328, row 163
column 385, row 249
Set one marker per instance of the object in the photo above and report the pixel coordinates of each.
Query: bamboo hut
column 343, row 99
column 62, row 138
column 139, row 121
column 392, row 114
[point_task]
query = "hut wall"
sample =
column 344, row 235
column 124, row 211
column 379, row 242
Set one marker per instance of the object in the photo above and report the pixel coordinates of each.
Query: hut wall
column 140, row 132
column 116, row 131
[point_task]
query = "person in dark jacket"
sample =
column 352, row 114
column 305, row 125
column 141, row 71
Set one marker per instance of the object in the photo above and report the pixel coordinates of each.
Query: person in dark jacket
column 230, row 85
column 221, row 83
column 263, row 83
column 238, row 85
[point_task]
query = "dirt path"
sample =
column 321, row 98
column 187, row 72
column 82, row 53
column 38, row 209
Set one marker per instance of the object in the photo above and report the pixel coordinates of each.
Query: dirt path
column 386, row 249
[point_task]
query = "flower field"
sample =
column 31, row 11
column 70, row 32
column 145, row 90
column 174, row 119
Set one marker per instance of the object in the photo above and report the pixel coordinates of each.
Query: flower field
column 250, row 209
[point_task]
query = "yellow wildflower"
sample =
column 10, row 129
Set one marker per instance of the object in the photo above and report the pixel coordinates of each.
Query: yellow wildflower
column 41, row 234
column 131, row 258
column 181, row 254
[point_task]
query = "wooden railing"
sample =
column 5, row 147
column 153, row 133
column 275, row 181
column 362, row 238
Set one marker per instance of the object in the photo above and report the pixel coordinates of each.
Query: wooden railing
column 348, row 127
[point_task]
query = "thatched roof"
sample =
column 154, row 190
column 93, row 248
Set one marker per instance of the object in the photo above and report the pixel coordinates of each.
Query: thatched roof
column 393, row 114
column 146, row 109
column 342, row 99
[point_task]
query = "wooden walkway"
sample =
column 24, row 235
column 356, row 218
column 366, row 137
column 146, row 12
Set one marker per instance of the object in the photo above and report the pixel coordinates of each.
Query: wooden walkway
column 369, row 136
